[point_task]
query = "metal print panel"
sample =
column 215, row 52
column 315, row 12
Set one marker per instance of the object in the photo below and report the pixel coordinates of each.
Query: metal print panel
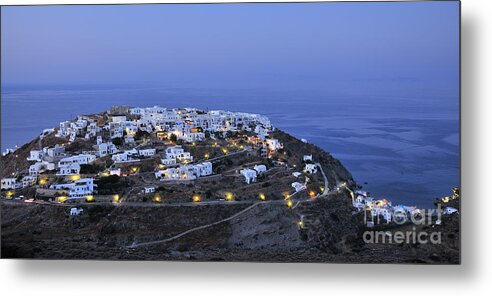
column 274, row 132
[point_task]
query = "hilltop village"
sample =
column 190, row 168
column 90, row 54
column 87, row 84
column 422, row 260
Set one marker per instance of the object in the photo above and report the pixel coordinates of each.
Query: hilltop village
column 176, row 155
column 160, row 155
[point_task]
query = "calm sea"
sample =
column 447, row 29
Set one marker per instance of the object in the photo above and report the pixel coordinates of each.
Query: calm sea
column 402, row 148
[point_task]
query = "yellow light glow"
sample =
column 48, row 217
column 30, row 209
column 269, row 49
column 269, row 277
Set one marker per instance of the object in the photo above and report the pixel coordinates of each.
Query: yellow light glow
column 289, row 203
column 196, row 198
column 322, row 189
column 229, row 196
column 312, row 194
column 42, row 182
column 224, row 150
column 157, row 198
column 9, row 193
column 62, row 199
column 105, row 174
column 75, row 177
column 194, row 144
column 89, row 198
column 207, row 155
column 262, row 196
column 241, row 147
column 300, row 224
column 116, row 198
column 286, row 195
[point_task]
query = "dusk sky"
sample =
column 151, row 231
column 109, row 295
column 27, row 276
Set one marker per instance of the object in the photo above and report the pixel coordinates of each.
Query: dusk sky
column 362, row 46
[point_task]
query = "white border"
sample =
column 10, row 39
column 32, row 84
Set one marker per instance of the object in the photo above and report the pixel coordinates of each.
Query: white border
column 30, row 277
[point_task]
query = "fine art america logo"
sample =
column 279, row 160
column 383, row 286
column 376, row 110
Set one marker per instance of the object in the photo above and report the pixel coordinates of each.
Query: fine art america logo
column 409, row 221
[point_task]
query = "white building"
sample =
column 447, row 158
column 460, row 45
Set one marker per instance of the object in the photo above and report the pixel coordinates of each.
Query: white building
column 306, row 158
column 39, row 167
column 75, row 211
column 69, row 169
column 118, row 118
column 115, row 171
column 296, row 174
column 260, row 169
column 28, row 181
column 129, row 139
column 202, row 169
column 449, row 211
column 273, row 144
column 249, row 175
column 54, row 152
column 182, row 172
column 298, row 186
column 191, row 136
column 10, row 183
column 78, row 189
column 310, row 168
column 35, row 155
column 79, row 159
column 178, row 153
column 104, row 149
column 146, row 152
column 126, row 156
column 149, row 189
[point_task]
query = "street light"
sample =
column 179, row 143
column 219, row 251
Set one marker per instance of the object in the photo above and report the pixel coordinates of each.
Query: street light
column 229, row 196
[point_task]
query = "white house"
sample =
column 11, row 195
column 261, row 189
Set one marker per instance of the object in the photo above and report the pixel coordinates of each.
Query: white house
column 115, row 171
column 75, row 211
column 79, row 159
column 307, row 158
column 383, row 212
column 249, row 175
column 126, row 156
column 147, row 152
column 260, row 169
column 78, row 189
column 28, row 181
column 149, row 189
column 178, row 153
column 449, row 210
column 183, row 172
column 39, row 167
column 35, row 155
column 298, row 186
column 191, row 137
column 104, row 149
column 69, row 169
column 54, row 152
column 118, row 118
column 202, row 169
column 10, row 183
column 168, row 161
column 274, row 144
column 129, row 139
column 296, row 174
column 310, row 168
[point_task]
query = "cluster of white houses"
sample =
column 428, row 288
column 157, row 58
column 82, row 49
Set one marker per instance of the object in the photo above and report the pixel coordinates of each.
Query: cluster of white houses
column 187, row 124
column 383, row 208
column 185, row 172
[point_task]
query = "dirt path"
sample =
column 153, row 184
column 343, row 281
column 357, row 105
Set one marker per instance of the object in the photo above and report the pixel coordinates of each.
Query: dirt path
column 194, row 229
